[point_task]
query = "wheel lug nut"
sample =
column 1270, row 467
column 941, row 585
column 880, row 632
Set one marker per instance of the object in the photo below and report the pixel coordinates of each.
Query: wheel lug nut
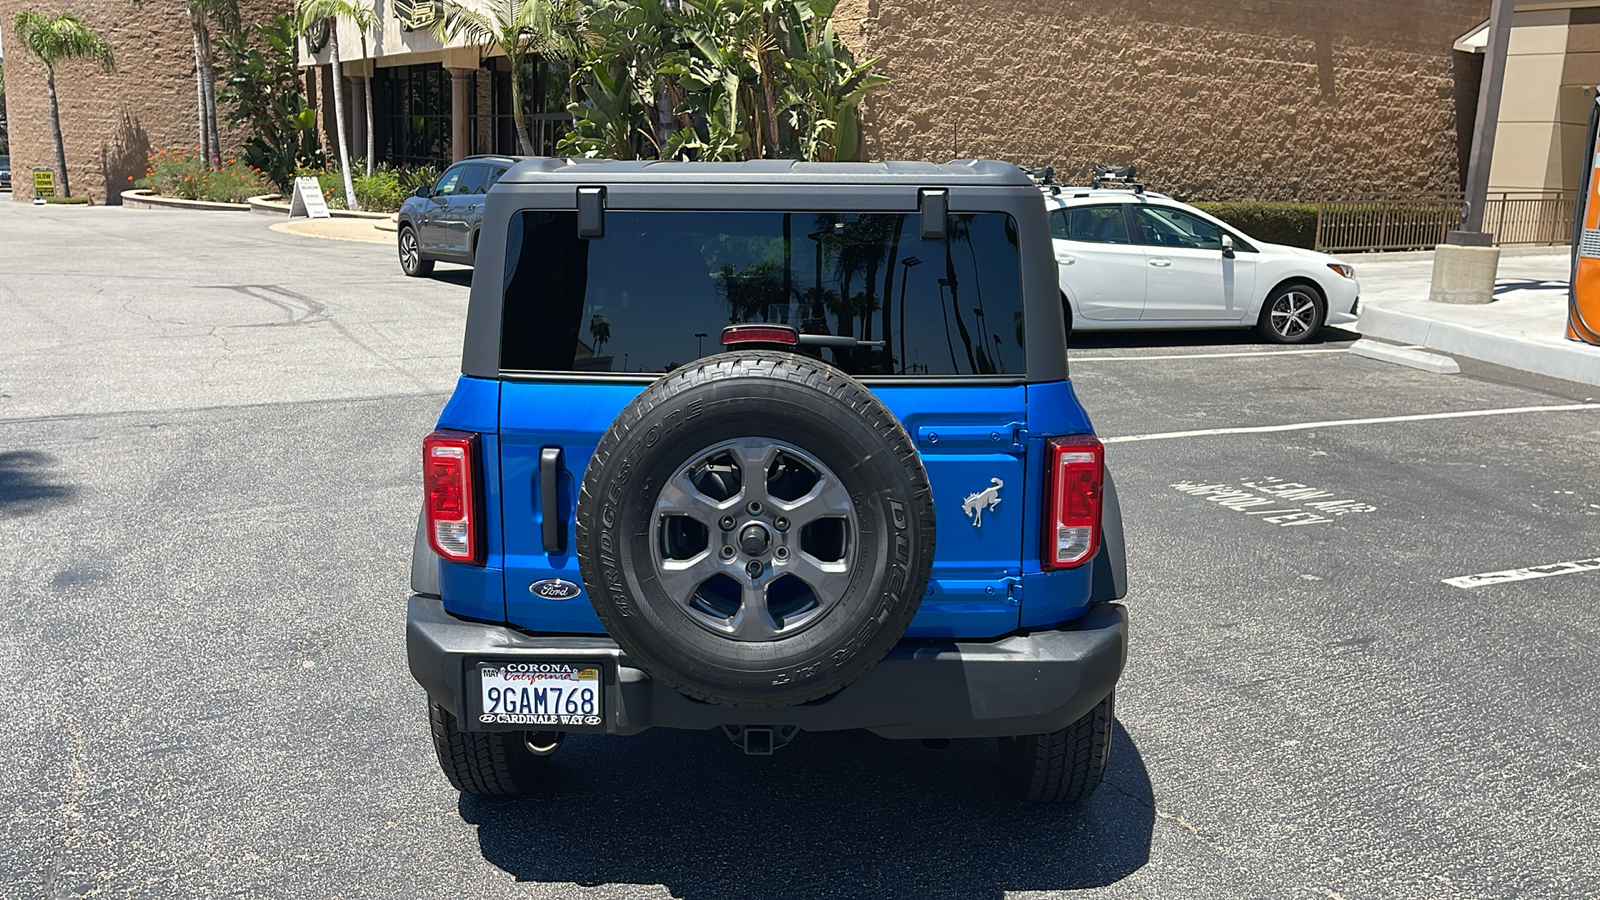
column 781, row 553
column 727, row 552
column 780, row 523
column 754, row 507
column 754, row 568
column 726, row 524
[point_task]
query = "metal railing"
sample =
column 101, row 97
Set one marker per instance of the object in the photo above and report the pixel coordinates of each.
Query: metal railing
column 1413, row 223
column 1421, row 223
column 1530, row 218
column 546, row 129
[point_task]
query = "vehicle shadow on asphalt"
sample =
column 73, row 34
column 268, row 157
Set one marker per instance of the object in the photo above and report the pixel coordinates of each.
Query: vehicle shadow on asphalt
column 1243, row 339
column 461, row 277
column 838, row 815
column 26, row 486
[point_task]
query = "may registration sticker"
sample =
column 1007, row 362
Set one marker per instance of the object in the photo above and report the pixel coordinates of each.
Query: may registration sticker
column 529, row 693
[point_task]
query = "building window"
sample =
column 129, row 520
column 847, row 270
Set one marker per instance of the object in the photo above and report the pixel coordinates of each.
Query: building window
column 411, row 115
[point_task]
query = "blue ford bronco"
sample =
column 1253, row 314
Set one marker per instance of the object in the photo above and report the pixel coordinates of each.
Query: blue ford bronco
column 767, row 447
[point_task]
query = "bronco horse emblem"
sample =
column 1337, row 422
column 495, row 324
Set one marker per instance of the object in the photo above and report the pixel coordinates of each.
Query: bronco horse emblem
column 988, row 498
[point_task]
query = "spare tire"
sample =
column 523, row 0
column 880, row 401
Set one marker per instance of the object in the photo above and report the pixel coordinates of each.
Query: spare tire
column 755, row 529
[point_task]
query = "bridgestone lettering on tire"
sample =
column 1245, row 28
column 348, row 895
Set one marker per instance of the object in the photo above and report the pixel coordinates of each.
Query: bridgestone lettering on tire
column 755, row 529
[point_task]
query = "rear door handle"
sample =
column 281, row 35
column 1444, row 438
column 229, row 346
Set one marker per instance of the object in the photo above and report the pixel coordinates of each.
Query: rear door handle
column 1066, row 259
column 1161, row 263
column 553, row 529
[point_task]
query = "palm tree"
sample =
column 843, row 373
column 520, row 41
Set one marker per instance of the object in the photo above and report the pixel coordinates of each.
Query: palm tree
column 310, row 12
column 600, row 331
column 525, row 31
column 201, row 12
column 52, row 40
column 365, row 19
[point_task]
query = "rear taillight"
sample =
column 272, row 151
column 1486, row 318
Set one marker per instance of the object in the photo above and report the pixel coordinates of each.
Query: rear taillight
column 450, row 495
column 1076, row 468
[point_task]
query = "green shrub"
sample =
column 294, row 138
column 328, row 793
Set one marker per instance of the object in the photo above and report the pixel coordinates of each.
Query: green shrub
column 183, row 174
column 67, row 201
column 1294, row 224
column 381, row 191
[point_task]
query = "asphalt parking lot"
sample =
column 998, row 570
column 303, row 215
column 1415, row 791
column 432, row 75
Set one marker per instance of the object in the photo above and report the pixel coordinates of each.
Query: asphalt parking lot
column 208, row 453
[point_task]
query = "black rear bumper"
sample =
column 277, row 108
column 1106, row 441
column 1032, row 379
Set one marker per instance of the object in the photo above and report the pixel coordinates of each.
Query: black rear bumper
column 1025, row 684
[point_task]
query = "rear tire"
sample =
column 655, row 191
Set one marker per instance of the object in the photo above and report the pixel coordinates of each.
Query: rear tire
column 1064, row 766
column 484, row 763
column 411, row 261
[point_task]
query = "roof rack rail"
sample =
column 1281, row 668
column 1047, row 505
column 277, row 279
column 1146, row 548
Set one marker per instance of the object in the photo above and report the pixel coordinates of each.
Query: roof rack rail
column 1117, row 176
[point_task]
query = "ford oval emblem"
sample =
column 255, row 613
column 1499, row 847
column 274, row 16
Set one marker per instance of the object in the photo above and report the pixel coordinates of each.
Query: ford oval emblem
column 554, row 589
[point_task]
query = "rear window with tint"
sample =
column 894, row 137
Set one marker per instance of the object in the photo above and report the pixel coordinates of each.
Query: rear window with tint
column 656, row 291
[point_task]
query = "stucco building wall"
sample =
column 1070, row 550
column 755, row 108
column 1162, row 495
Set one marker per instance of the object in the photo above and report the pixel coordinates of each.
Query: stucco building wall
column 110, row 123
column 1265, row 99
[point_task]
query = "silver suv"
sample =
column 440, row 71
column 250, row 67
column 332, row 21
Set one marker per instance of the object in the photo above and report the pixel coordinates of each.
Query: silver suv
column 441, row 221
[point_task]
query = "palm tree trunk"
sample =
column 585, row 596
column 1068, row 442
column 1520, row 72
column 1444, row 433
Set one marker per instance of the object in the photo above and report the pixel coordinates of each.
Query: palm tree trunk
column 888, row 295
column 519, row 114
column 55, row 132
column 366, row 82
column 201, row 119
column 208, row 88
column 955, row 306
column 213, row 130
column 338, row 113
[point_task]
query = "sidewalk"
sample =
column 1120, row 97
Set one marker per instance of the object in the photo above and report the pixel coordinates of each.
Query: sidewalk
column 371, row 231
column 1524, row 328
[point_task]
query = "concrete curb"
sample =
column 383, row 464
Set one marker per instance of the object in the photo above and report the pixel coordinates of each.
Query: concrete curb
column 1572, row 362
column 143, row 199
column 272, row 205
column 1402, row 356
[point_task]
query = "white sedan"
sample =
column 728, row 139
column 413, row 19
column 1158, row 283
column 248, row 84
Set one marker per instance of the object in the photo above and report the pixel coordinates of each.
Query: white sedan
column 1143, row 260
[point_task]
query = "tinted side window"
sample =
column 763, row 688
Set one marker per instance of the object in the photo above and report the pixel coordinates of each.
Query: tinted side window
column 474, row 180
column 1175, row 228
column 658, row 289
column 1058, row 224
column 1097, row 224
column 495, row 174
column 449, row 183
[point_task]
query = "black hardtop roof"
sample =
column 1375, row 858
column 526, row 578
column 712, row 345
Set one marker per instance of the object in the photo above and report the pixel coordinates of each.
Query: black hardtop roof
column 965, row 172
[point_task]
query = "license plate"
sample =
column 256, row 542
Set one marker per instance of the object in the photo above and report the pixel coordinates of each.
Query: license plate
column 540, row 693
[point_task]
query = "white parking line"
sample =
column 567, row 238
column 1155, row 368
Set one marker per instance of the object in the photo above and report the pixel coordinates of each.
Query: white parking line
column 1340, row 423
column 1204, row 355
column 1562, row 568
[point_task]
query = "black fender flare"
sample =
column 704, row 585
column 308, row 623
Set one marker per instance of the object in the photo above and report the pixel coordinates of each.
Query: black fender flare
column 424, row 564
column 1109, row 580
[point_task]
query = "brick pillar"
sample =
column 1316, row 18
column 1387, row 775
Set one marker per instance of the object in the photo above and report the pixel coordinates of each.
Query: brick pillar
column 460, row 101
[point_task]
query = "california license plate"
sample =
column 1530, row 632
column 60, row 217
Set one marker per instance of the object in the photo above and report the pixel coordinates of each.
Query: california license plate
column 541, row 693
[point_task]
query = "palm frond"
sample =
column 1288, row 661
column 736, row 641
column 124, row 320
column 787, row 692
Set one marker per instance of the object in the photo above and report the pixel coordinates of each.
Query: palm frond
column 51, row 40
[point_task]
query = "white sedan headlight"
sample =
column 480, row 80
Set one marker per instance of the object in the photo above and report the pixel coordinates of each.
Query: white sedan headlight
column 1342, row 269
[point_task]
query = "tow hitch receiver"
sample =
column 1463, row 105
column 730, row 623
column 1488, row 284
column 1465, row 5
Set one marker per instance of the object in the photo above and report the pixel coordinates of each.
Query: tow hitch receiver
column 760, row 740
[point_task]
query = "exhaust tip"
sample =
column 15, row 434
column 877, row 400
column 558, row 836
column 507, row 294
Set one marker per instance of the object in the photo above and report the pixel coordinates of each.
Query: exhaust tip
column 544, row 743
